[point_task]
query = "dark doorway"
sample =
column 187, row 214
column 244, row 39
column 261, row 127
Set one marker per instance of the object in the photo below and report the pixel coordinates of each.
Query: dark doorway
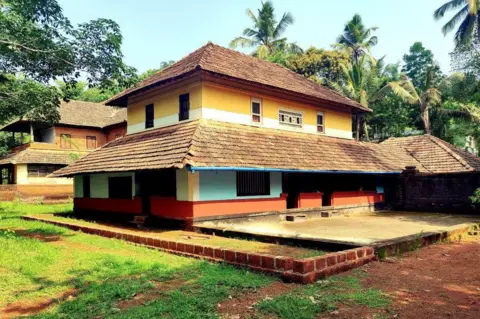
column 155, row 183
column 7, row 174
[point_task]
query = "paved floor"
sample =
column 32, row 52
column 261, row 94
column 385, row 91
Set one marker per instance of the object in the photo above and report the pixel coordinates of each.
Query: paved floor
column 360, row 229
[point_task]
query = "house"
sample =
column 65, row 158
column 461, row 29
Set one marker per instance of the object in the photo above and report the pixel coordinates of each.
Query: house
column 221, row 134
column 83, row 127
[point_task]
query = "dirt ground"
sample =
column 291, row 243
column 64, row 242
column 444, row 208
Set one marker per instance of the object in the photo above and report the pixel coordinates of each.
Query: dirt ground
column 440, row 281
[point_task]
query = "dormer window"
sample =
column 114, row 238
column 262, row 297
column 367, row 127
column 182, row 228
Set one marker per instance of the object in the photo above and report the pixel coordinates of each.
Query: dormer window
column 320, row 122
column 149, row 116
column 256, row 111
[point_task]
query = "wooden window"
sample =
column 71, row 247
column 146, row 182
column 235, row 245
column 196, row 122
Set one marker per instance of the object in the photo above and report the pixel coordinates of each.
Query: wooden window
column 65, row 141
column 91, row 142
column 256, row 111
column 120, row 187
column 253, row 183
column 149, row 115
column 320, row 122
column 41, row 170
column 86, row 186
column 184, row 107
column 290, row 118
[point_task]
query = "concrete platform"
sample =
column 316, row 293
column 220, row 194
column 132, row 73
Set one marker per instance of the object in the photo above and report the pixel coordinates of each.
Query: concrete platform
column 373, row 229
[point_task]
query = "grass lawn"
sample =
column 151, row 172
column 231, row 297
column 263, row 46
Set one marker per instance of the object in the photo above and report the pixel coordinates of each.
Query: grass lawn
column 59, row 273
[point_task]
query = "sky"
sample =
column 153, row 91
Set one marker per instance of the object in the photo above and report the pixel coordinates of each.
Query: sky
column 162, row 30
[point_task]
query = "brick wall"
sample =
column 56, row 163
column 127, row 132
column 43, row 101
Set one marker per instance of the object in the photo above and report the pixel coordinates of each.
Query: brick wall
column 441, row 192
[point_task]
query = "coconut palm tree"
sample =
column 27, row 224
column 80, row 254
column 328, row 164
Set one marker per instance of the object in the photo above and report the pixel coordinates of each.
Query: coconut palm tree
column 266, row 34
column 466, row 18
column 429, row 100
column 356, row 39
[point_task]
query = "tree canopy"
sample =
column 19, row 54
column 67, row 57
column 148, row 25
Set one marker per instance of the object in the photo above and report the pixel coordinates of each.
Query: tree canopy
column 39, row 44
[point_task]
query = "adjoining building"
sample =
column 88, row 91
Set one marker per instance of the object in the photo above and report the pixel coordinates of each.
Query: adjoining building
column 220, row 134
column 83, row 127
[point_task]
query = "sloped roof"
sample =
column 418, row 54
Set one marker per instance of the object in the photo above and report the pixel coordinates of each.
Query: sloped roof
column 231, row 63
column 81, row 113
column 208, row 143
column 40, row 156
column 436, row 155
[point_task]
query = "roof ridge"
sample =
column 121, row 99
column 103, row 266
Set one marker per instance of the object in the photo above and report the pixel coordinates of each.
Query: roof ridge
column 298, row 76
column 450, row 152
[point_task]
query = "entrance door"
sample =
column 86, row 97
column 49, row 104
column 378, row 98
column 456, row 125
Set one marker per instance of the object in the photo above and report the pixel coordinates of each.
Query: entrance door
column 155, row 183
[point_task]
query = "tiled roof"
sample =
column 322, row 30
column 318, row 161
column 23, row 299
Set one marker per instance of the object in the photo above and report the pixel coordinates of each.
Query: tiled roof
column 436, row 155
column 208, row 143
column 80, row 113
column 231, row 63
column 40, row 156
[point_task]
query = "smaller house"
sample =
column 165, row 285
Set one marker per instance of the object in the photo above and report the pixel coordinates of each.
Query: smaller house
column 83, row 127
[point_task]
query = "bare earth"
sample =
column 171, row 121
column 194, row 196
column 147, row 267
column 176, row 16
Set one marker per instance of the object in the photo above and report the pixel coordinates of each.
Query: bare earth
column 440, row 281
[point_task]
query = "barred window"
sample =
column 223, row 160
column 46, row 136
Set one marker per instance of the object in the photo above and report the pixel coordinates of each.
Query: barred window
column 253, row 183
column 290, row 118
column 149, row 115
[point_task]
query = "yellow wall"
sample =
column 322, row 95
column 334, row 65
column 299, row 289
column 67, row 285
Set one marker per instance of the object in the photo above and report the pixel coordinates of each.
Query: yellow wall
column 231, row 100
column 165, row 104
column 209, row 96
column 21, row 178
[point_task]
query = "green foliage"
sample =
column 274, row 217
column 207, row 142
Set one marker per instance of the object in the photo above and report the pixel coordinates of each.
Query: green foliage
column 320, row 65
column 266, row 34
column 417, row 63
column 356, row 39
column 466, row 17
column 106, row 272
column 39, row 44
column 475, row 198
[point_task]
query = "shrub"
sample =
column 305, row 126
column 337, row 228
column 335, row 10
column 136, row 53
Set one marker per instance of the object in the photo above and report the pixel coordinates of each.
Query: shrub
column 475, row 198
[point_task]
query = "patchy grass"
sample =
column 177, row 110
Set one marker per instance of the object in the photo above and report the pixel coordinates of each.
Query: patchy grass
column 16, row 208
column 210, row 240
column 309, row 301
column 104, row 272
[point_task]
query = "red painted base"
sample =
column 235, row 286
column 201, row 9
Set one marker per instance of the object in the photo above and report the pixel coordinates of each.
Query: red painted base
column 127, row 206
column 309, row 200
column 356, row 198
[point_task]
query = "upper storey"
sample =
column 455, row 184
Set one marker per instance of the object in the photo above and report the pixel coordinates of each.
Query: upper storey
column 222, row 84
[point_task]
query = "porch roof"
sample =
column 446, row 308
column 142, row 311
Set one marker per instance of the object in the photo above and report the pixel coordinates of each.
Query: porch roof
column 213, row 144
column 39, row 156
column 436, row 155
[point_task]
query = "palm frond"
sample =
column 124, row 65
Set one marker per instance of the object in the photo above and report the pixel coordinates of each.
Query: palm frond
column 450, row 5
column 262, row 51
column 372, row 41
column 450, row 25
column 399, row 90
column 465, row 30
column 285, row 21
column 242, row 43
column 252, row 16
column 250, row 32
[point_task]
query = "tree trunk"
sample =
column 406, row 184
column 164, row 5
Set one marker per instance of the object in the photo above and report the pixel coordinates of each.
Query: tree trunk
column 365, row 129
column 426, row 120
column 358, row 119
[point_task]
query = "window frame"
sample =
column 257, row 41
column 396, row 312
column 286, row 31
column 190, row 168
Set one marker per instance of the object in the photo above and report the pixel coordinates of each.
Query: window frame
column 91, row 138
column 322, row 114
column 244, row 189
column 35, row 170
column 181, row 111
column 149, row 123
column 260, row 114
column 65, row 141
column 280, row 110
